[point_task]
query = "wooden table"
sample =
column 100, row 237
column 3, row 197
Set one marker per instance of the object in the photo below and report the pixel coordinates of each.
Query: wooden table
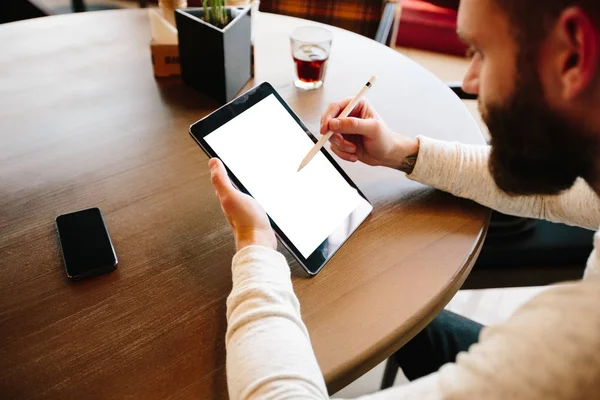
column 84, row 123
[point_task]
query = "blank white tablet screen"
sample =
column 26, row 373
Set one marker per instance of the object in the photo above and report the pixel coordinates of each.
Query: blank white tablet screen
column 263, row 147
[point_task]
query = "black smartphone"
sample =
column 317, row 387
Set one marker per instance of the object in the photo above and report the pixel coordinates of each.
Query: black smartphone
column 86, row 247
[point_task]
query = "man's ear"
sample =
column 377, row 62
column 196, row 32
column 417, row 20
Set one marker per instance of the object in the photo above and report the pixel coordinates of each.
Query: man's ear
column 577, row 65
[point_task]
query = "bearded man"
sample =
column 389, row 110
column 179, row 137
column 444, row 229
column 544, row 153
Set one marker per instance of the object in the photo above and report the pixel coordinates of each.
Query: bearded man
column 536, row 71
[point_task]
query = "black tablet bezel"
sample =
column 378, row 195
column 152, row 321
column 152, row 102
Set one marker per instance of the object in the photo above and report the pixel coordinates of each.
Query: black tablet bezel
column 323, row 253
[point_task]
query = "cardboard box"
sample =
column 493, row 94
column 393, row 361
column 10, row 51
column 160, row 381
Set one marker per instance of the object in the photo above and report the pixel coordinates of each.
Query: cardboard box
column 164, row 47
column 165, row 59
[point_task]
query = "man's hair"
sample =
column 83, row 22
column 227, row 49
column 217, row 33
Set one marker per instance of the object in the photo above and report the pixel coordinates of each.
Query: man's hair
column 531, row 20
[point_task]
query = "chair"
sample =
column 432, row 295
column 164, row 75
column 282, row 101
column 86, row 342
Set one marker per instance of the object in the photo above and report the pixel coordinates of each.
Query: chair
column 371, row 18
column 17, row 10
column 81, row 6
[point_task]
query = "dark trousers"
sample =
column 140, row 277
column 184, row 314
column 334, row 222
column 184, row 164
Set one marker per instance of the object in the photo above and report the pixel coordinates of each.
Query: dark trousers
column 439, row 343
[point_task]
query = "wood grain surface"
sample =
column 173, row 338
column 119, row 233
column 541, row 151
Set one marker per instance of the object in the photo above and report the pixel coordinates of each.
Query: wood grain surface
column 84, row 123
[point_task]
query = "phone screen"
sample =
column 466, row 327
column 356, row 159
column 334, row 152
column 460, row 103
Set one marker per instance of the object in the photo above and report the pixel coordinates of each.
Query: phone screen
column 86, row 247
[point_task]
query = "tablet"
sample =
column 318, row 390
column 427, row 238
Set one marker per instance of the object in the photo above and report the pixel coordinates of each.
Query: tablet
column 262, row 142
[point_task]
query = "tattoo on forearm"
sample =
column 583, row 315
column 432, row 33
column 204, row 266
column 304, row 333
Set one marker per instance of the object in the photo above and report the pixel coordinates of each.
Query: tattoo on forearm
column 408, row 164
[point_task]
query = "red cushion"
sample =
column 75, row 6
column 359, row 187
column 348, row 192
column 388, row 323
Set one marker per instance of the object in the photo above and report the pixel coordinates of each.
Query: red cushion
column 430, row 27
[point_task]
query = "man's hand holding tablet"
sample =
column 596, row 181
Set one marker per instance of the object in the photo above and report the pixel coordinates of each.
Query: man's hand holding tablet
column 247, row 219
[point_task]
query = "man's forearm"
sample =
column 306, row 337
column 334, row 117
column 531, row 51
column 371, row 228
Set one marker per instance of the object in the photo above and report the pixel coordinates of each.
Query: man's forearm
column 462, row 170
column 408, row 164
column 404, row 154
column 269, row 354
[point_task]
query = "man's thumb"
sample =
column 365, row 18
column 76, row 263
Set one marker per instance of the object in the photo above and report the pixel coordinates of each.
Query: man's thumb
column 219, row 177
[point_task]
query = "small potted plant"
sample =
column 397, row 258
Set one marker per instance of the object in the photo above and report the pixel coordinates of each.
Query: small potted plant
column 215, row 48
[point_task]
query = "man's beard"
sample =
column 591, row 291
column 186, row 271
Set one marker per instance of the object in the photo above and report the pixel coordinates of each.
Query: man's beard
column 534, row 149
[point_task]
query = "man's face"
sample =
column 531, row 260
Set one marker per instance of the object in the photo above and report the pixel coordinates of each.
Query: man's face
column 535, row 149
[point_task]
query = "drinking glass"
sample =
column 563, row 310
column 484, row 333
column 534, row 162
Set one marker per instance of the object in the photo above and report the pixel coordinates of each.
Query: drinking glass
column 311, row 46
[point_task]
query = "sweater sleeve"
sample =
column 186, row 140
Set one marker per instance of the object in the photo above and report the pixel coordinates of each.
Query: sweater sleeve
column 548, row 349
column 269, row 354
column 462, row 170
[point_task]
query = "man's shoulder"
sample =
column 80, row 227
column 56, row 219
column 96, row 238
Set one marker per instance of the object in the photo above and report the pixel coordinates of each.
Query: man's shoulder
column 563, row 312
column 547, row 349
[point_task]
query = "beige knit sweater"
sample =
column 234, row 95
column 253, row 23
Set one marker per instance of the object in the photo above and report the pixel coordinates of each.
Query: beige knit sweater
column 549, row 349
